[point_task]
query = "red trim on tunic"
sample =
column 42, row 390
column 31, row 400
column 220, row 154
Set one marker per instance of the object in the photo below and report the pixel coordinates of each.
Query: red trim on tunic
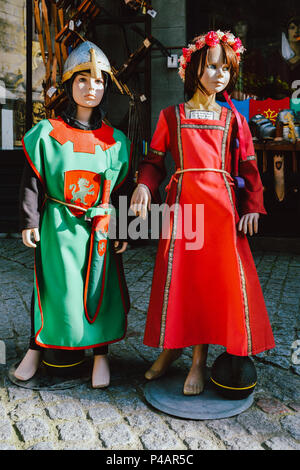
column 87, row 282
column 125, row 304
column 63, row 133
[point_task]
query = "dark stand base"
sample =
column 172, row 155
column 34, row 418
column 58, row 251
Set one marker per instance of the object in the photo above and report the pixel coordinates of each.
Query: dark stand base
column 166, row 395
column 42, row 380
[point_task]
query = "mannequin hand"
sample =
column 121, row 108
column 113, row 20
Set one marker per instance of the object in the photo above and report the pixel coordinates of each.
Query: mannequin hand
column 141, row 200
column 26, row 237
column 249, row 221
column 123, row 246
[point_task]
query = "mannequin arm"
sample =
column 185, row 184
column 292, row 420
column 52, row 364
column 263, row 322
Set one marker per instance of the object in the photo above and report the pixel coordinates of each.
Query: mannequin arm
column 249, row 221
column 141, row 200
column 26, row 237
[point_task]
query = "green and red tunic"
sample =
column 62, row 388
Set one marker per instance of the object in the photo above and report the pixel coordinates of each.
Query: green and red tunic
column 71, row 165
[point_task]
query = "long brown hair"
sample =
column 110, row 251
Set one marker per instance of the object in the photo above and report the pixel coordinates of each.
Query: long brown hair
column 199, row 58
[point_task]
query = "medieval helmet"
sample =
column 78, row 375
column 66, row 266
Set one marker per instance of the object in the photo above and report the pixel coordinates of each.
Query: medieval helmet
column 86, row 56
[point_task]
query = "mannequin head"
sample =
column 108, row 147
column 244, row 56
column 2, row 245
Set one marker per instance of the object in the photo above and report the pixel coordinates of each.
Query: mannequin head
column 85, row 78
column 293, row 30
column 94, row 106
column 241, row 28
column 211, row 70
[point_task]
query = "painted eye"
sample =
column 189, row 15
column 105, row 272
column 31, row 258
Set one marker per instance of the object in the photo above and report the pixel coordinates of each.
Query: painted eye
column 211, row 66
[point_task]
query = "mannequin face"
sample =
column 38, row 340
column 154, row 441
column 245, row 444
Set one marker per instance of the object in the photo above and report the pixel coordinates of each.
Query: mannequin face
column 216, row 73
column 241, row 29
column 87, row 91
column 293, row 32
column 278, row 162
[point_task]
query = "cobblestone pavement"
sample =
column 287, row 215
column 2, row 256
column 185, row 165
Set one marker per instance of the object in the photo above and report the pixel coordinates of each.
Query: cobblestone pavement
column 119, row 417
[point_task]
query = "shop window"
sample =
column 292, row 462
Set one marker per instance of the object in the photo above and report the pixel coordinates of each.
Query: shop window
column 12, row 73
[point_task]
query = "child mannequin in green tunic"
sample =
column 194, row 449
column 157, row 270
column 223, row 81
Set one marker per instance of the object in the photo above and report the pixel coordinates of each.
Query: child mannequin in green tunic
column 87, row 93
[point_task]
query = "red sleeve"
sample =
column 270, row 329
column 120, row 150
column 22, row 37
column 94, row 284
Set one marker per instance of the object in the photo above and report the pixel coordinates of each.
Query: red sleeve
column 152, row 169
column 251, row 197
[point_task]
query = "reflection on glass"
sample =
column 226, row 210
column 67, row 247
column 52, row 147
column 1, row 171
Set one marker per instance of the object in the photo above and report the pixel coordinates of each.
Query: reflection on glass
column 38, row 75
column 12, row 73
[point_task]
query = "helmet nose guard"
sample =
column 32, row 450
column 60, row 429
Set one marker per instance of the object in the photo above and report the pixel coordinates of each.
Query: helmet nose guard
column 86, row 56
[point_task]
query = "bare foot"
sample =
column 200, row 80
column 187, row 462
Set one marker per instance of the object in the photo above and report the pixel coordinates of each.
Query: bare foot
column 101, row 373
column 194, row 383
column 162, row 363
column 29, row 365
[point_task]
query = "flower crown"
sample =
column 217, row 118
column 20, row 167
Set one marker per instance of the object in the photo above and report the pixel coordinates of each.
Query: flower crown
column 211, row 39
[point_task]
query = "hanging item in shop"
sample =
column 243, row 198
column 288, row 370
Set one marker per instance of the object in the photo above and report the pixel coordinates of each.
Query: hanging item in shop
column 136, row 125
column 141, row 5
column 288, row 128
column 61, row 26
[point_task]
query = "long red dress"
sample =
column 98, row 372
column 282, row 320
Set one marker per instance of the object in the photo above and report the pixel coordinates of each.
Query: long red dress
column 211, row 295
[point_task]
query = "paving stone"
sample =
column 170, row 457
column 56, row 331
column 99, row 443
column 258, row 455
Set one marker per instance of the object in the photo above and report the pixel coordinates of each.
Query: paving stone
column 188, row 428
column 258, row 424
column 55, row 396
column 89, row 397
column 233, row 435
column 292, row 425
column 119, row 436
column 130, row 404
column 281, row 443
column 156, row 439
column 75, row 431
column 19, row 393
column 295, row 405
column 145, row 420
column 104, row 414
column 271, row 406
column 66, row 410
column 42, row 446
column 5, row 430
column 23, row 409
column 32, row 428
column 2, row 411
column 199, row 443
column 83, row 446
column 4, row 446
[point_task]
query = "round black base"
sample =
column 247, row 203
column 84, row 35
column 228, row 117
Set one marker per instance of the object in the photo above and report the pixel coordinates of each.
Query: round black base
column 166, row 395
column 43, row 380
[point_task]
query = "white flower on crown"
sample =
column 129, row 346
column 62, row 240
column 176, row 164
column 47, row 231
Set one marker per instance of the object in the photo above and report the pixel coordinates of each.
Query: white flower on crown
column 230, row 38
column 220, row 34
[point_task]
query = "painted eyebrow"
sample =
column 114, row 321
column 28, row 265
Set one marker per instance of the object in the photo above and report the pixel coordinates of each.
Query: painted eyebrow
column 86, row 75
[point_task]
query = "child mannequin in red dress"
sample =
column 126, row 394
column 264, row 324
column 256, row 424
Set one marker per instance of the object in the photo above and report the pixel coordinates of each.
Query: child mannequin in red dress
column 211, row 295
